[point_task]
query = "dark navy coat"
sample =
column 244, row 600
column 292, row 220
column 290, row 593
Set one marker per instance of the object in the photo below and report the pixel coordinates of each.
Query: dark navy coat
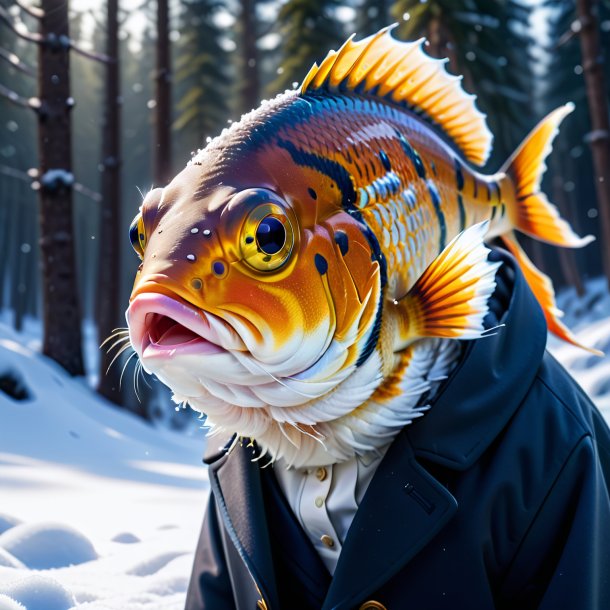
column 496, row 499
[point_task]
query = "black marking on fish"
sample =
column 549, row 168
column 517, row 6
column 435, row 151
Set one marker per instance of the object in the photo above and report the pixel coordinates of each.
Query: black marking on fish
column 384, row 159
column 462, row 212
column 433, row 167
column 334, row 170
column 321, row 264
column 488, row 187
column 373, row 339
column 342, row 241
column 249, row 239
column 503, row 211
column 476, row 188
column 312, row 193
column 459, row 176
column 413, row 155
column 436, row 202
column 493, row 212
column 341, row 176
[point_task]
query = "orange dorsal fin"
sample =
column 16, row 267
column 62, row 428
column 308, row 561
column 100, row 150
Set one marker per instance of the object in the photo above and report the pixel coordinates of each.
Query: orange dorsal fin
column 400, row 72
column 451, row 297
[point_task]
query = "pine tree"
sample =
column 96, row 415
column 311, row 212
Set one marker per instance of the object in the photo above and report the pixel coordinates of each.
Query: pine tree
column 201, row 73
column 372, row 16
column 162, row 153
column 108, row 297
column 62, row 319
column 599, row 138
column 309, row 30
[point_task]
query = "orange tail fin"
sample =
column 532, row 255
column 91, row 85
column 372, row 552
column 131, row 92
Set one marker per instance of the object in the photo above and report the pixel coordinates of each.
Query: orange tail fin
column 531, row 212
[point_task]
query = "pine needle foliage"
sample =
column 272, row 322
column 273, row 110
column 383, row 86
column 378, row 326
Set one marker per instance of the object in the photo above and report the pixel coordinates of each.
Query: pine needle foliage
column 201, row 71
column 309, row 29
column 372, row 16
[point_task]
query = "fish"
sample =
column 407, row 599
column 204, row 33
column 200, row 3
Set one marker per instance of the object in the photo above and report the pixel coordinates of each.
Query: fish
column 308, row 278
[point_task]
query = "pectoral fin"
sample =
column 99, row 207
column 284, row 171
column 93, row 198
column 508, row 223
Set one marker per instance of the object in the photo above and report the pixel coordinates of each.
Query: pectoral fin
column 451, row 297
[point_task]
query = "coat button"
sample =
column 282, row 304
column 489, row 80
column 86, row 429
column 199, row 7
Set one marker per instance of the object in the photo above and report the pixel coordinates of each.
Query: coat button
column 327, row 541
column 321, row 473
column 372, row 605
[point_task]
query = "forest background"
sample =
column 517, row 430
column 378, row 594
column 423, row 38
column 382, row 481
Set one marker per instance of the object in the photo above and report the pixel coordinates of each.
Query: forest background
column 101, row 101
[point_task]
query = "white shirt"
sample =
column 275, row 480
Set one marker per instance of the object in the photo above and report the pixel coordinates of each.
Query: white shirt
column 325, row 499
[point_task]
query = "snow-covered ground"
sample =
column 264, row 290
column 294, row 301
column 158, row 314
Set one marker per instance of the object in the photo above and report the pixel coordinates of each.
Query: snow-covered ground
column 99, row 511
column 589, row 318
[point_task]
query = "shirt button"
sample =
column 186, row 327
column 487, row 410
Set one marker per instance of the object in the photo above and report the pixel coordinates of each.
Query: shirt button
column 327, row 541
column 372, row 605
column 319, row 502
column 321, row 474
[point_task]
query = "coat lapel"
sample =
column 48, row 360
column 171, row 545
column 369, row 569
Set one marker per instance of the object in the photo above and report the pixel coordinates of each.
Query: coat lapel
column 403, row 508
column 236, row 482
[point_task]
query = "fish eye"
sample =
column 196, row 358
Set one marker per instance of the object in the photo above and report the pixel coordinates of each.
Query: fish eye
column 267, row 237
column 270, row 235
column 137, row 235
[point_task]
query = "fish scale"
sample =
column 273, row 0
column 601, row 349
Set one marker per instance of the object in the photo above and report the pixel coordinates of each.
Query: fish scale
column 396, row 201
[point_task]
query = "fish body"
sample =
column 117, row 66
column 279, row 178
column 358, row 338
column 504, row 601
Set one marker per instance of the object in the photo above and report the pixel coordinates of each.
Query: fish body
column 303, row 276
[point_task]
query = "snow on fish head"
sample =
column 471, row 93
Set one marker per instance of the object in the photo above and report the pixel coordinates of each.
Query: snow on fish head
column 258, row 295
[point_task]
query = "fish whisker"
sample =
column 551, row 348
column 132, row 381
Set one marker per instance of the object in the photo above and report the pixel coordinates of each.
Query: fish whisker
column 125, row 366
column 117, row 342
column 117, row 332
column 123, row 349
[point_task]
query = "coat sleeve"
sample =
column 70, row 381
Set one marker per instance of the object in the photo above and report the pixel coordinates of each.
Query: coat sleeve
column 564, row 560
column 210, row 584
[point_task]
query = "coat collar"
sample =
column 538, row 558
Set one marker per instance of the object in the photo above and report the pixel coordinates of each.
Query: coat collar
column 235, row 480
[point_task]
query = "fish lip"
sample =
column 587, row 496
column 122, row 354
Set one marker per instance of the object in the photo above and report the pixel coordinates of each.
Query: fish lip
column 192, row 318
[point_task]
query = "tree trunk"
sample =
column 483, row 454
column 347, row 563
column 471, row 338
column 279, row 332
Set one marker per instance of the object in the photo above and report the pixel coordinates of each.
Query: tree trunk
column 61, row 311
column 567, row 258
column 250, row 87
column 163, row 112
column 599, row 138
column 108, row 294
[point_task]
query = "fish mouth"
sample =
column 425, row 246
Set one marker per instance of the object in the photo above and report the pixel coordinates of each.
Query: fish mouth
column 162, row 326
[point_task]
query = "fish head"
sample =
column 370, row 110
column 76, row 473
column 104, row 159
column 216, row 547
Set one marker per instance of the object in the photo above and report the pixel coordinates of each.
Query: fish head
column 258, row 293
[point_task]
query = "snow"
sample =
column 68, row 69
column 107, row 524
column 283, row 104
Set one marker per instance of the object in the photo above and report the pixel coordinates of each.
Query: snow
column 101, row 511
column 589, row 318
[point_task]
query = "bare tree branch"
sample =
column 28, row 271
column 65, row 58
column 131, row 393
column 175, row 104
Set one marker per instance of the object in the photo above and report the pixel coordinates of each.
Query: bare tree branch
column 32, row 11
column 20, row 28
column 91, row 54
column 32, row 175
column 87, row 192
column 15, row 98
column 15, row 173
column 16, row 62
